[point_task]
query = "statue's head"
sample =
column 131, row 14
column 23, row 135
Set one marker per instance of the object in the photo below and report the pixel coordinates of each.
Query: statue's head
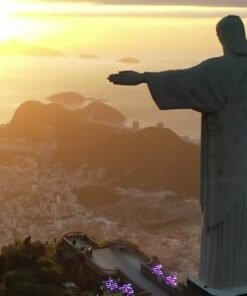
column 231, row 33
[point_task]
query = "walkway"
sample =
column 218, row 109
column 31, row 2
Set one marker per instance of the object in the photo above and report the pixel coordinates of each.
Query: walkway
column 129, row 264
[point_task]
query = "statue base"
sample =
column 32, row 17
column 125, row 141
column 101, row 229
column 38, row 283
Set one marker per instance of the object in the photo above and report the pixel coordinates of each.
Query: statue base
column 198, row 288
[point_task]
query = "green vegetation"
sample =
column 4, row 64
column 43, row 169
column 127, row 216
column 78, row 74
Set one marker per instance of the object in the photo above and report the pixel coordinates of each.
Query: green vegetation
column 29, row 268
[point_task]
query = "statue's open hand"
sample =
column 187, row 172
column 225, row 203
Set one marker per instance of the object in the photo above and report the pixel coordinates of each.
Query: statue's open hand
column 127, row 78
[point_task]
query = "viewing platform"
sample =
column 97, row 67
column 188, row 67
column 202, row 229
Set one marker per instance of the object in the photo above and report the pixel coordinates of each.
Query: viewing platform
column 122, row 265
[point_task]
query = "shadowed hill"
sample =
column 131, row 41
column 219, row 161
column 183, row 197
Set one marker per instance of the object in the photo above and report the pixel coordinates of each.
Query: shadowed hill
column 149, row 158
column 31, row 119
column 152, row 157
column 100, row 111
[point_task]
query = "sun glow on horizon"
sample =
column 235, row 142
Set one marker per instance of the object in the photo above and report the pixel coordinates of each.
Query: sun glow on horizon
column 10, row 25
column 89, row 27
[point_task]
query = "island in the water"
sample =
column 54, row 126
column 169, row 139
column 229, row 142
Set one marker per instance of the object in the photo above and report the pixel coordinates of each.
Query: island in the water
column 68, row 98
column 88, row 56
column 129, row 60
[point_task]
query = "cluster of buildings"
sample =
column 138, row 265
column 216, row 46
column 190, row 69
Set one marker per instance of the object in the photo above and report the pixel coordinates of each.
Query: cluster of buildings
column 41, row 202
column 136, row 125
column 36, row 154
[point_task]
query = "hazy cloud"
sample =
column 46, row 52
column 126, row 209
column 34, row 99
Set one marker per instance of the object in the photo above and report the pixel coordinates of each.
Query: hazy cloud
column 218, row 3
column 137, row 11
column 150, row 8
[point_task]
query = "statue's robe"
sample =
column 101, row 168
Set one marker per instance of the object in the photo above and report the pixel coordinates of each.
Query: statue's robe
column 218, row 89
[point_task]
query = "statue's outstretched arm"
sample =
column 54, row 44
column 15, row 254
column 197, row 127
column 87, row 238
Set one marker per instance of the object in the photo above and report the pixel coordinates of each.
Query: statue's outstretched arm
column 127, row 78
column 198, row 88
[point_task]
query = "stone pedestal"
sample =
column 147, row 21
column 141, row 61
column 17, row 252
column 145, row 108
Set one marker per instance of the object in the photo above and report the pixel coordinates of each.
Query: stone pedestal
column 198, row 288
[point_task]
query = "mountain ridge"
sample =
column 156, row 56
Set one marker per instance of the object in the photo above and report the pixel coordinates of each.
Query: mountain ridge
column 147, row 158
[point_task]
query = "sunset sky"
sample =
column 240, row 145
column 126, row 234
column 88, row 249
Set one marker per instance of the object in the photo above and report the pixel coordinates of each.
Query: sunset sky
column 161, row 36
column 88, row 24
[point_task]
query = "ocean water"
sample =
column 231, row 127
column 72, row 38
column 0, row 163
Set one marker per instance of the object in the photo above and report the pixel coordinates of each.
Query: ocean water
column 35, row 78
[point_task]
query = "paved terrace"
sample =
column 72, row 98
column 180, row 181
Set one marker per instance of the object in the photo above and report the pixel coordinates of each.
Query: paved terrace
column 129, row 264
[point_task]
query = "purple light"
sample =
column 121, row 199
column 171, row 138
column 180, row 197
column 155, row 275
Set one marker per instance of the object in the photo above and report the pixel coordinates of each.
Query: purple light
column 127, row 288
column 158, row 270
column 112, row 286
column 169, row 279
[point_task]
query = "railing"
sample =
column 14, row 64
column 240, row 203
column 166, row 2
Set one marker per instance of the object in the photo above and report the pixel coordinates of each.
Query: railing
column 100, row 270
column 135, row 247
column 93, row 243
column 74, row 234
column 125, row 243
column 68, row 242
column 77, row 234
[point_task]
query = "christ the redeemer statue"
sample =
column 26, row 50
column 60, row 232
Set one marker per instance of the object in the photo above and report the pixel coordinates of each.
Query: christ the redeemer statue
column 218, row 89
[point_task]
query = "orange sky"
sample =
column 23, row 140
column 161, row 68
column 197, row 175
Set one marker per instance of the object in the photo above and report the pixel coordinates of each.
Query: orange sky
column 162, row 38
column 75, row 8
column 71, row 27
